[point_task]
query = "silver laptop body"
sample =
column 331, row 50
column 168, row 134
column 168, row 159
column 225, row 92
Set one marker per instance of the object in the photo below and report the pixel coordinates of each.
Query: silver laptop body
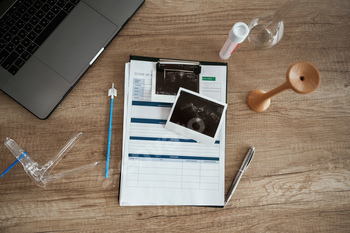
column 40, row 65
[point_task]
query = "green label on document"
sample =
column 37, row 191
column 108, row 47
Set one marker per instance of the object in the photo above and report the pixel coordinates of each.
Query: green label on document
column 208, row 78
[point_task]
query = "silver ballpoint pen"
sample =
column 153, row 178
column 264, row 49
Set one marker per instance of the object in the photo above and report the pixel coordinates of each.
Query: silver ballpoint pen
column 244, row 166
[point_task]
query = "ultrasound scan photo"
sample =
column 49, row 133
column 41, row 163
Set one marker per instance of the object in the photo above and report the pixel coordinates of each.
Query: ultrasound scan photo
column 172, row 77
column 197, row 113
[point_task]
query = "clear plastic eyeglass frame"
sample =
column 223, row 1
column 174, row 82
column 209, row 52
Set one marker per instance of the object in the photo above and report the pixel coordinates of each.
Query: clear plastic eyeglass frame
column 41, row 174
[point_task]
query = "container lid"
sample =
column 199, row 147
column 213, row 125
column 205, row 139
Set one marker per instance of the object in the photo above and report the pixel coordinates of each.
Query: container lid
column 239, row 32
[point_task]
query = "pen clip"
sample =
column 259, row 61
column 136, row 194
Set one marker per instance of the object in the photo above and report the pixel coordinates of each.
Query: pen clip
column 248, row 158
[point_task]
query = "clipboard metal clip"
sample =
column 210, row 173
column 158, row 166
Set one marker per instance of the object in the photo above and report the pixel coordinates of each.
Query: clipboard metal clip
column 165, row 65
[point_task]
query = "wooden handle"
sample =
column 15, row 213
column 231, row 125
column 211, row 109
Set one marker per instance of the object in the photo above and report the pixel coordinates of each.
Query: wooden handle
column 259, row 101
column 277, row 90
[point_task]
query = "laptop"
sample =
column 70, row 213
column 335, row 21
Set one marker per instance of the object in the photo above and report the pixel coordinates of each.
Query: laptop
column 47, row 45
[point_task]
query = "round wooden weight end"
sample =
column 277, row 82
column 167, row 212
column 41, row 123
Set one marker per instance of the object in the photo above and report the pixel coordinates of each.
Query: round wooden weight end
column 257, row 102
column 303, row 77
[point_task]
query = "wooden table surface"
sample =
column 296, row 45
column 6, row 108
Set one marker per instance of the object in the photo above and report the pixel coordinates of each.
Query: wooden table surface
column 299, row 179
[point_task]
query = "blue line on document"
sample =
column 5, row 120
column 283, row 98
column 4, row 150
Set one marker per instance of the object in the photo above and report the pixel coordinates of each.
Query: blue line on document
column 148, row 121
column 162, row 139
column 151, row 156
column 151, row 104
column 166, row 139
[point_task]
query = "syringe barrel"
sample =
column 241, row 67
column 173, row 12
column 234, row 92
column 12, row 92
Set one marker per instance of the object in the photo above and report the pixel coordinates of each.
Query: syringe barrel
column 227, row 49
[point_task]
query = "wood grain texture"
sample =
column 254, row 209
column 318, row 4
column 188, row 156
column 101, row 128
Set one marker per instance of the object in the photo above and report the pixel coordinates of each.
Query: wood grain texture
column 299, row 179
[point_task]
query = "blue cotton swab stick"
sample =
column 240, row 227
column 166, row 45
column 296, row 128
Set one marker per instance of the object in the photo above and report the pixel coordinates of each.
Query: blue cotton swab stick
column 112, row 92
column 14, row 163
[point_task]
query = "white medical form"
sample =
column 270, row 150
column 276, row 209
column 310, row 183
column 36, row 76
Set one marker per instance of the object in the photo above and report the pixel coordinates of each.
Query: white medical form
column 160, row 167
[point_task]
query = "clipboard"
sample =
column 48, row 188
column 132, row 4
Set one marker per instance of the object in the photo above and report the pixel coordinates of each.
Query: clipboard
column 160, row 167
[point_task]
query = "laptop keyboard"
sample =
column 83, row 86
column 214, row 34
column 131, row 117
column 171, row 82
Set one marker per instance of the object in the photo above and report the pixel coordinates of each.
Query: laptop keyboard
column 26, row 25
